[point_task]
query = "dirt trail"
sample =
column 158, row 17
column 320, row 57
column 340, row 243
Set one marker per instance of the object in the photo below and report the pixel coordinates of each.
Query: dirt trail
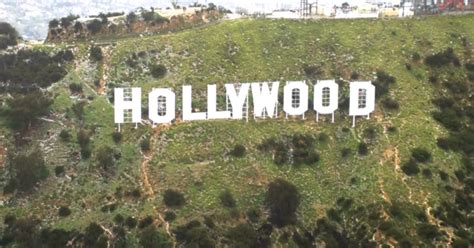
column 105, row 71
column 393, row 154
column 147, row 186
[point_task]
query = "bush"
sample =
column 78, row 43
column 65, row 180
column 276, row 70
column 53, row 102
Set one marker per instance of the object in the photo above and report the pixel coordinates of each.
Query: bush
column 25, row 109
column 427, row 173
column 158, row 71
column 390, row 103
column 383, row 83
column 53, row 23
column 8, row 35
column 173, row 198
column 131, row 222
column 428, row 231
column 92, row 234
column 448, row 118
column 26, row 170
column 238, row 151
column 411, row 168
column 59, row 170
column 151, row 237
column 362, row 149
column 345, row 152
column 95, row 53
column 94, row 26
column 441, row 59
column 194, row 234
column 105, row 157
column 64, row 211
column 243, row 235
column 119, row 219
column 170, row 216
column 282, row 200
column 83, row 137
column 145, row 144
column 117, row 137
column 416, row 57
column 75, row 88
column 65, row 135
column 227, row 200
column 253, row 214
column 145, row 222
column 421, row 155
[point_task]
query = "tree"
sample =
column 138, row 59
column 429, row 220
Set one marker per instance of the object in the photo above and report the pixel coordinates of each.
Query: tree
column 173, row 198
column 151, row 237
column 282, row 199
column 94, row 26
column 421, row 155
column 238, row 151
column 27, row 169
column 8, row 35
column 25, row 109
column 411, row 168
column 131, row 17
column 53, row 23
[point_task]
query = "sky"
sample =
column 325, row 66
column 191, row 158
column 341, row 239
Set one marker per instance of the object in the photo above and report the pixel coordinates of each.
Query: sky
column 31, row 17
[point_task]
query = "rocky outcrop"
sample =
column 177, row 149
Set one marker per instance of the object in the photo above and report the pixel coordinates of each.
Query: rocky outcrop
column 121, row 27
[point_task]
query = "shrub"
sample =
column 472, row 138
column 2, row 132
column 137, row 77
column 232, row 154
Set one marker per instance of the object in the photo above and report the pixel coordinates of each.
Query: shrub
column 131, row 17
column 75, row 88
column 8, row 35
column 441, row 59
column 411, row 168
column 421, row 155
column 27, row 169
column 131, row 222
column 427, row 173
column 59, row 170
column 92, row 234
column 65, row 135
column 312, row 71
column 194, row 234
column 428, row 231
column 83, row 137
column 390, row 103
column 238, row 151
column 383, row 83
column 448, row 118
column 53, row 23
column 243, row 235
column 117, row 137
column 94, row 26
column 416, row 56
column 145, row 144
column 253, row 214
column 362, row 149
column 170, row 216
column 173, row 198
column 86, row 152
column 158, row 71
column 282, row 200
column 25, row 109
column 227, row 200
column 95, row 53
column 151, row 237
column 64, row 211
column 105, row 157
column 119, row 219
column 345, row 152
column 145, row 222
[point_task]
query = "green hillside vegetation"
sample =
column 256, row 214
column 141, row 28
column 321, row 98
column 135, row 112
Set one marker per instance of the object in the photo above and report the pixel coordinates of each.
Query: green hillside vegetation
column 404, row 177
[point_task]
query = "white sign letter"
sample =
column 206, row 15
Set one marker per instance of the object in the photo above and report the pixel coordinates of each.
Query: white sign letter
column 129, row 100
column 362, row 99
column 326, row 98
column 264, row 99
column 237, row 100
column 212, row 112
column 295, row 98
column 161, row 106
column 188, row 114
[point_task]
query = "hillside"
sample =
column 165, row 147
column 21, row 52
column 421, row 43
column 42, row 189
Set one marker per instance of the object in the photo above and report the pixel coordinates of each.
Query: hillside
column 361, row 190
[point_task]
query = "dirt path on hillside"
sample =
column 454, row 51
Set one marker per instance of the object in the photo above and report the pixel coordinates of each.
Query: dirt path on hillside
column 147, row 186
column 105, row 71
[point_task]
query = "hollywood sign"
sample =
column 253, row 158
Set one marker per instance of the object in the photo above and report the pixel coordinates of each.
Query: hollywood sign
column 162, row 101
